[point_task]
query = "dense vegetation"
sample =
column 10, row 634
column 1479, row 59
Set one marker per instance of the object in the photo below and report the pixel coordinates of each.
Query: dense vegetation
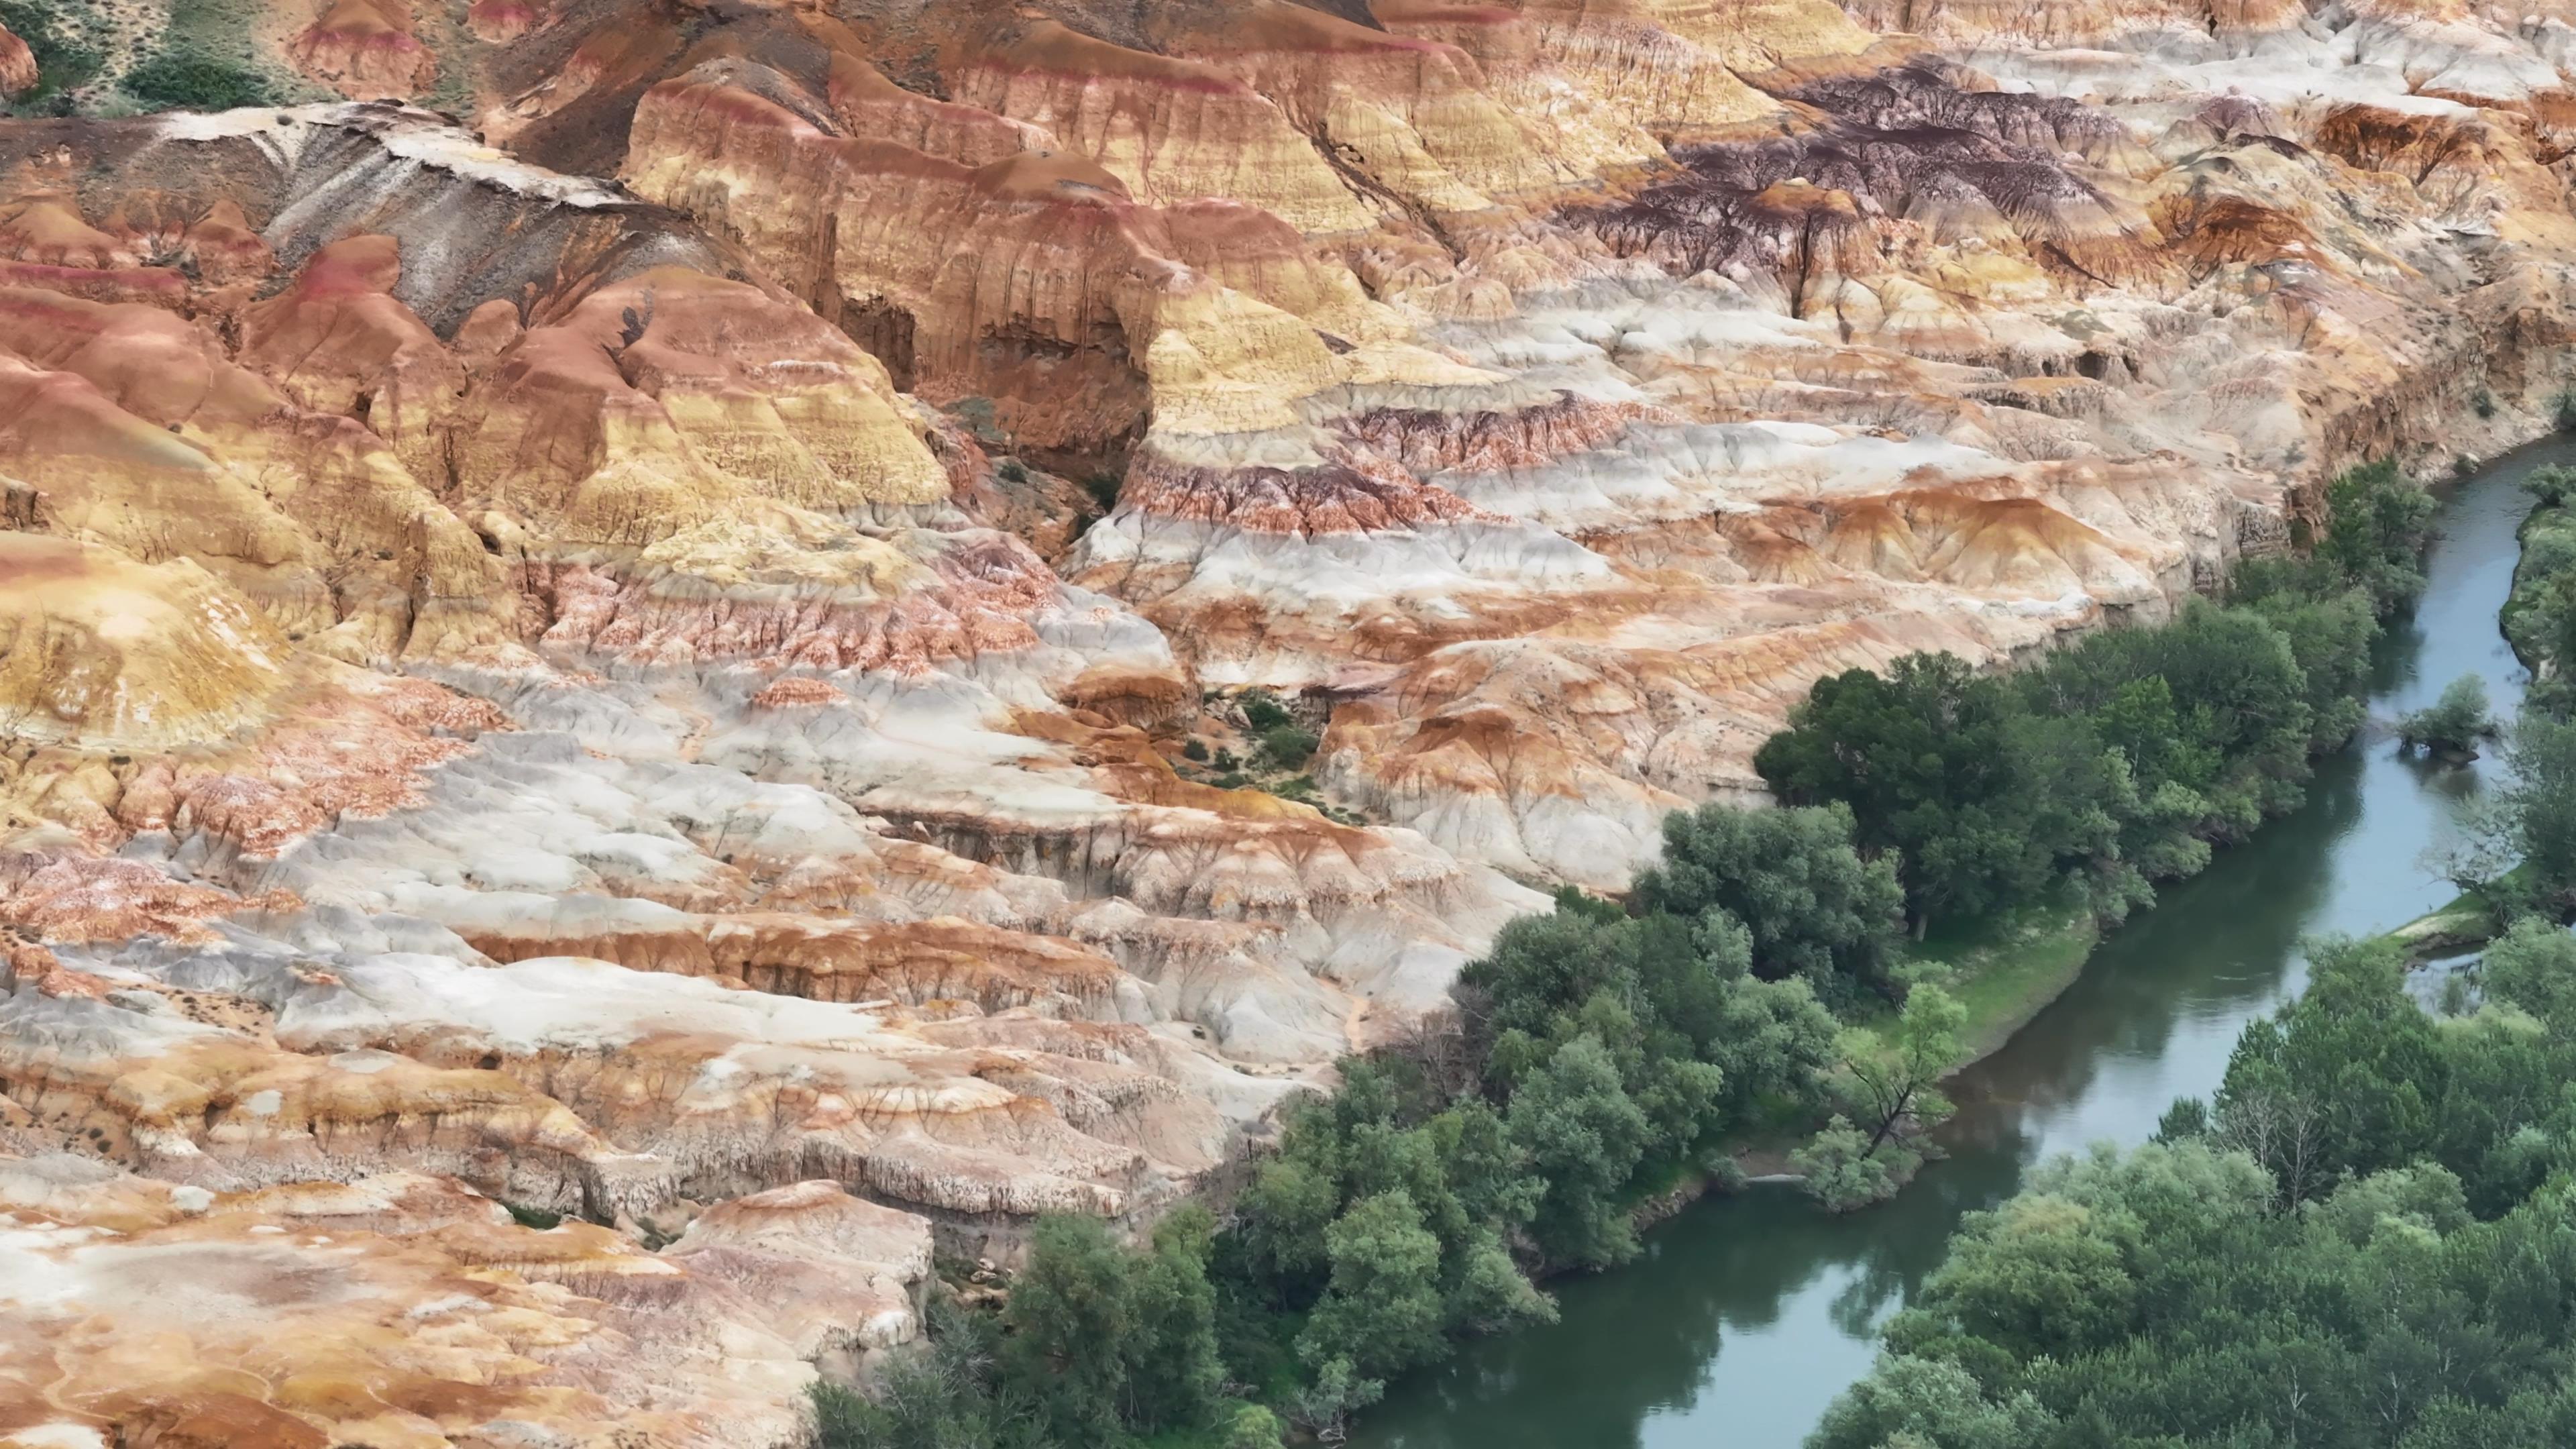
column 2365, row 1239
column 198, row 57
column 2122, row 759
column 1604, row 1054
column 2515, row 850
column 181, row 77
column 69, row 43
column 1600, row 1057
column 2365, row 1236
column 2540, row 618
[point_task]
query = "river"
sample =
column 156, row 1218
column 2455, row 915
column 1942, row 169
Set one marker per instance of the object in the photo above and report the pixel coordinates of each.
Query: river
column 1745, row 1316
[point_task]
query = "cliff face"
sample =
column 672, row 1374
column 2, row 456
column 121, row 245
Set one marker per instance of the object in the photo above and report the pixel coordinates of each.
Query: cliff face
column 625, row 650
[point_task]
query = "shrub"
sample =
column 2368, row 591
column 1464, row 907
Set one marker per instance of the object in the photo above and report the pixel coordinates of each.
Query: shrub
column 2562, row 410
column 178, row 78
column 2456, row 721
column 1011, row 470
column 1791, row 875
column 65, row 48
column 2548, row 552
column 1287, row 746
column 1325, row 1406
column 2377, row 524
column 1252, row 1427
column 1840, row 1170
column 528, row 1217
column 2551, row 485
column 1263, row 711
column 1196, row 749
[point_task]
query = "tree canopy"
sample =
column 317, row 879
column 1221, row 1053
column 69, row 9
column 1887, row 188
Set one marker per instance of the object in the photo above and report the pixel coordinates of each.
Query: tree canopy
column 2117, row 761
column 1813, row 905
column 2364, row 1241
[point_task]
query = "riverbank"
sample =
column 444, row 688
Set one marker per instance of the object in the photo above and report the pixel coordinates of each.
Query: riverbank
column 1750, row 1311
column 2005, row 968
column 2545, row 554
column 2464, row 921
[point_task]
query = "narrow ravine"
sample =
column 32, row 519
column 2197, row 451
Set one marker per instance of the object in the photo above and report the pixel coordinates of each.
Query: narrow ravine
column 1746, row 1316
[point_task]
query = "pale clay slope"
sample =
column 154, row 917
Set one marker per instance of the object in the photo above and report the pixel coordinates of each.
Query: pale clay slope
column 513, row 702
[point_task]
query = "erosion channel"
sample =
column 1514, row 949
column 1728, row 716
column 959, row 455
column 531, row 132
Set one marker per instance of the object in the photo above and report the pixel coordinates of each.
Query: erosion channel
column 1745, row 1316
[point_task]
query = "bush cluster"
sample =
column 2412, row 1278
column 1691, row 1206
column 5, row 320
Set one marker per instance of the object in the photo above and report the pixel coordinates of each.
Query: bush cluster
column 179, row 77
column 2363, row 1237
column 2125, row 757
column 66, row 41
column 1604, row 1053
column 2362, row 1240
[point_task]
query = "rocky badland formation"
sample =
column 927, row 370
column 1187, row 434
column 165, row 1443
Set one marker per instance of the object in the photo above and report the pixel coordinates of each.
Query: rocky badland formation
column 566, row 638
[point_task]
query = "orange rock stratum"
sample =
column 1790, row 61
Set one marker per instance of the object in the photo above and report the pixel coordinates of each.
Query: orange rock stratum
column 599, row 612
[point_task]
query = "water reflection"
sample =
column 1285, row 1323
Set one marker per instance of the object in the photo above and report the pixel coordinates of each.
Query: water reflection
column 1745, row 1317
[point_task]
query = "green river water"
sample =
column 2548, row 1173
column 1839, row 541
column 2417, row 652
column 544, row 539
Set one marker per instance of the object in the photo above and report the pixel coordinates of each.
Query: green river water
column 1745, row 1316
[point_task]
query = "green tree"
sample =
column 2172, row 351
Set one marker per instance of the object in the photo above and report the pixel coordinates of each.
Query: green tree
column 2533, row 966
column 1489, row 1293
column 1793, row 877
column 946, row 1393
column 2377, row 524
column 1922, row 758
column 1838, row 1168
column 1584, row 1137
column 1172, row 1368
column 2540, row 617
column 1382, row 1312
column 1919, row 1402
column 1698, row 1042
column 1252, row 1427
column 2330, row 636
column 2041, row 1276
column 1070, row 1313
column 1892, row 1085
column 2239, row 729
column 1324, row 1405
column 1292, row 1199
column 1487, row 1172
column 1772, row 1042
column 2453, row 723
column 1541, row 966
column 2341, row 1081
column 2540, row 799
column 2163, row 746
column 2552, row 485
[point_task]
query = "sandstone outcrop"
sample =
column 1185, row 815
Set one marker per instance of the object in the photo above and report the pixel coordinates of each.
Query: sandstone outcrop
column 365, row 49
column 17, row 64
column 404, row 1309
column 608, row 622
